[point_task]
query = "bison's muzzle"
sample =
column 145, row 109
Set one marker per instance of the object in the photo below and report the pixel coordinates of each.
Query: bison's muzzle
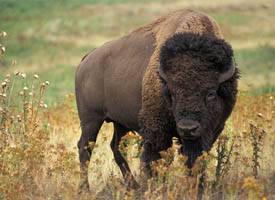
column 188, row 129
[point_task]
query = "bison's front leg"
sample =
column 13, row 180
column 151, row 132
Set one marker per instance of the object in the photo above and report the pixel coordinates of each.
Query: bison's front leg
column 153, row 143
column 147, row 158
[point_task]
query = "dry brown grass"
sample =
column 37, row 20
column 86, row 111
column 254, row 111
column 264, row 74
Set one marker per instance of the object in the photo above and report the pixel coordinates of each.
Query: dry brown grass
column 38, row 158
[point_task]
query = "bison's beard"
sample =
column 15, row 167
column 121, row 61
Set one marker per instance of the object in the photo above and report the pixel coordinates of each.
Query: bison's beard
column 194, row 149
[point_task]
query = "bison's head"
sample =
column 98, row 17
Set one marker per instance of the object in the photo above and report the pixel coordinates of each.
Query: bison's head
column 199, row 79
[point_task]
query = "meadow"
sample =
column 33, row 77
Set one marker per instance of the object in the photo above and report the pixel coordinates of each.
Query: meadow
column 44, row 42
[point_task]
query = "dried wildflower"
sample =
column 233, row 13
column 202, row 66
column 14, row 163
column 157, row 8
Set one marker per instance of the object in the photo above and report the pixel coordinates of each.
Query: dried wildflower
column 21, row 93
column 36, row 76
column 47, row 83
column 16, row 73
column 31, row 93
column 7, row 80
column 4, row 84
column 8, row 76
column 14, row 62
column 260, row 115
column 3, row 49
column 43, row 85
column 256, row 136
column 45, row 105
column 252, row 186
column 23, row 75
column 3, row 34
column 25, row 88
column 3, row 95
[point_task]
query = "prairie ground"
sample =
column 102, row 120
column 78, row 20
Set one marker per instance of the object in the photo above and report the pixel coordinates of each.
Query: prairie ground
column 39, row 131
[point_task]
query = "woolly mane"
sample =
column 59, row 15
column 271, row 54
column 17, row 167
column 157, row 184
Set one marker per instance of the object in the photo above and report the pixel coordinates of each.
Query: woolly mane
column 179, row 32
column 208, row 48
column 153, row 114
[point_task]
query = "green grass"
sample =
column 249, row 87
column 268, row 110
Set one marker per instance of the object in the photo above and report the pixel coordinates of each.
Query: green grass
column 256, row 60
column 257, row 68
column 268, row 88
column 62, row 82
column 232, row 18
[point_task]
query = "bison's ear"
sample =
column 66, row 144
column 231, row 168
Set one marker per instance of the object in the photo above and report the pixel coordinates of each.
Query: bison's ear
column 229, row 73
column 161, row 72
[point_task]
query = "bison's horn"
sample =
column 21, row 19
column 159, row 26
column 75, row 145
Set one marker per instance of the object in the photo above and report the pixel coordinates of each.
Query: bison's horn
column 229, row 73
column 161, row 72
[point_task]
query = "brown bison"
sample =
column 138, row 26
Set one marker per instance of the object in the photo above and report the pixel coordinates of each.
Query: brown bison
column 175, row 77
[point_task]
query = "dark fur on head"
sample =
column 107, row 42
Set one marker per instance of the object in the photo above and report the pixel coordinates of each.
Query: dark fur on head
column 207, row 48
column 193, row 64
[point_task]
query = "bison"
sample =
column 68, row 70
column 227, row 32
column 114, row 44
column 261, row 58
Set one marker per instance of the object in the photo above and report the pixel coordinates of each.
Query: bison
column 175, row 77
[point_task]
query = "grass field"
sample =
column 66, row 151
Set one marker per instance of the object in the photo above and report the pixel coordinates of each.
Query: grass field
column 38, row 155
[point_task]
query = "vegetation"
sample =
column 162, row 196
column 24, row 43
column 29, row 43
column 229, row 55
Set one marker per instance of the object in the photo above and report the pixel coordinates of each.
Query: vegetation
column 39, row 126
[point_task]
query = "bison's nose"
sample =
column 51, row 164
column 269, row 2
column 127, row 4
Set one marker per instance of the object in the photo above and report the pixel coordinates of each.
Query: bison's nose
column 189, row 129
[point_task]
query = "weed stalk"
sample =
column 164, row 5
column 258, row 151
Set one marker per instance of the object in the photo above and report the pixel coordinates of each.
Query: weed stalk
column 256, row 138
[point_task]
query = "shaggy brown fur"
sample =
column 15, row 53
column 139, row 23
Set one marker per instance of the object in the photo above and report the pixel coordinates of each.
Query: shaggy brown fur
column 192, row 65
column 119, row 82
column 153, row 113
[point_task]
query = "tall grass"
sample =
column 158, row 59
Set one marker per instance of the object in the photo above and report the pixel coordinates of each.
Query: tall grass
column 37, row 160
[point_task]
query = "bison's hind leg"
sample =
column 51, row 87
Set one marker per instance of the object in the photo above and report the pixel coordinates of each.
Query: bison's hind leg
column 119, row 132
column 90, row 129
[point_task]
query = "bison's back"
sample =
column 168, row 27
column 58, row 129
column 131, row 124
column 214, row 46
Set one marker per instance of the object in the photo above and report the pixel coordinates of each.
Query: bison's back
column 119, row 78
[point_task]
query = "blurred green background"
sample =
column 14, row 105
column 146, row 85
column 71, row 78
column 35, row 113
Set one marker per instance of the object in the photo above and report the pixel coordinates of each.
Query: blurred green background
column 50, row 37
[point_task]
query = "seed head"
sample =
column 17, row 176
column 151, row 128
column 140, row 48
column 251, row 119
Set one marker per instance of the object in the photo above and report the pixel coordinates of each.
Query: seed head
column 25, row 88
column 4, row 84
column 3, row 34
column 31, row 93
column 16, row 73
column 47, row 83
column 21, row 93
column 19, row 118
column 45, row 105
column 8, row 76
column 43, row 85
column 35, row 76
column 23, row 75
column 14, row 62
column 3, row 49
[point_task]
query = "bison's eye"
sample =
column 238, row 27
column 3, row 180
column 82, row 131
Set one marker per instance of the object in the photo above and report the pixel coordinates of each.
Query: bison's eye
column 211, row 95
